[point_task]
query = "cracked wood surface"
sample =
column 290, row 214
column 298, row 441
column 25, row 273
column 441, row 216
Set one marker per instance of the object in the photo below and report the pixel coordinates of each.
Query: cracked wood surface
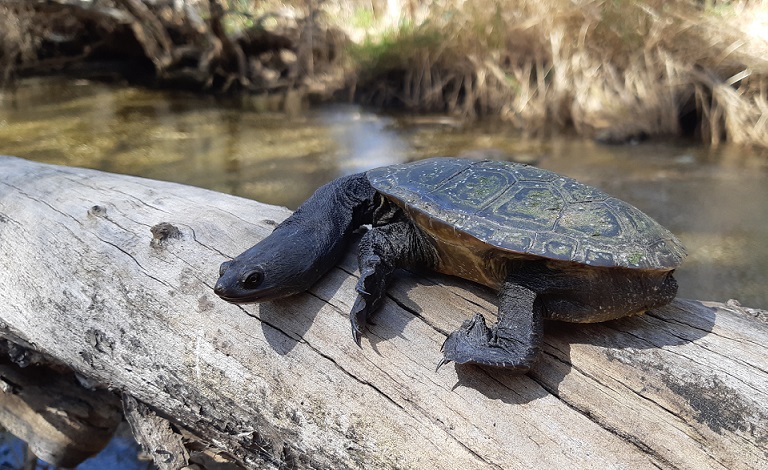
column 282, row 383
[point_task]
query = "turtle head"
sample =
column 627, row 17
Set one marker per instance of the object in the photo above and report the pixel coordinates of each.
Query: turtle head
column 266, row 272
column 303, row 247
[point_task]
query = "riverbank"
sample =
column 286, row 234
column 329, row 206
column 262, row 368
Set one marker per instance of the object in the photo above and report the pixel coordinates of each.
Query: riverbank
column 616, row 71
column 613, row 70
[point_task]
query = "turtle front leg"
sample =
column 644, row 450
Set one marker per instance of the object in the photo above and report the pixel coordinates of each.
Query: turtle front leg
column 382, row 250
column 512, row 343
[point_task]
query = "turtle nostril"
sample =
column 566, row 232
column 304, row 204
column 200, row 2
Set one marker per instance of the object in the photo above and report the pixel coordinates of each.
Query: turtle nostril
column 253, row 279
column 219, row 289
column 223, row 268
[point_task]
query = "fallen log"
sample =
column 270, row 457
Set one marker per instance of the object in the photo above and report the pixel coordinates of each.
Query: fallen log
column 112, row 276
column 62, row 422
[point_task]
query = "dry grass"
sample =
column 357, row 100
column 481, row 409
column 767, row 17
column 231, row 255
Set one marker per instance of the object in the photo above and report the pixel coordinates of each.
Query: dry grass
column 731, row 82
column 604, row 67
column 622, row 67
column 16, row 41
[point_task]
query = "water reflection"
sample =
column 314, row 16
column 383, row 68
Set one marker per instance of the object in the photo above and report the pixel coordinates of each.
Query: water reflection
column 713, row 199
column 365, row 140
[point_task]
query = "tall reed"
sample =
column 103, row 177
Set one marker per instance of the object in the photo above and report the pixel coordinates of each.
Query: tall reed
column 16, row 41
column 619, row 67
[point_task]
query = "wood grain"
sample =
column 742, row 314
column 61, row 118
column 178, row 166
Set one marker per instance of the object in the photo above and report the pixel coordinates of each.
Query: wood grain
column 283, row 384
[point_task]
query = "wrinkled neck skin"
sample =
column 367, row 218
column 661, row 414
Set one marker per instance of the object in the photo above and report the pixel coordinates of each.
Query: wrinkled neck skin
column 302, row 248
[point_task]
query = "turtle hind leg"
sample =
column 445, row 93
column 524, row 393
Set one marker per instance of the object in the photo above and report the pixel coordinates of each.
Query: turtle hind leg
column 512, row 343
column 382, row 250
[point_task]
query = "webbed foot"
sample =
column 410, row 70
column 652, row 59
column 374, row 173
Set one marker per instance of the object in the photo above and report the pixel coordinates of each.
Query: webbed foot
column 381, row 250
column 475, row 343
column 371, row 288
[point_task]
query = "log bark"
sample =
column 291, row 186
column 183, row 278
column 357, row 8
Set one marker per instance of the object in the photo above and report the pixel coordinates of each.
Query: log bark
column 86, row 281
column 155, row 435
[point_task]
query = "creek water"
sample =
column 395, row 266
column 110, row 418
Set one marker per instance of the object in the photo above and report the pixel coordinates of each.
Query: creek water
column 714, row 199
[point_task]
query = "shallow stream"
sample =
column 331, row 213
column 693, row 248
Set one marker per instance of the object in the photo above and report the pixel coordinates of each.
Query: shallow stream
column 715, row 200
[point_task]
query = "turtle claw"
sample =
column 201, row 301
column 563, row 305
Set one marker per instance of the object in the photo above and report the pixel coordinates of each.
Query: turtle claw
column 357, row 336
column 464, row 344
column 371, row 288
column 442, row 362
column 357, row 319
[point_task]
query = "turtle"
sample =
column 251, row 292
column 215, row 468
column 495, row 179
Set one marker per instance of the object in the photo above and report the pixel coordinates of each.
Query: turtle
column 552, row 247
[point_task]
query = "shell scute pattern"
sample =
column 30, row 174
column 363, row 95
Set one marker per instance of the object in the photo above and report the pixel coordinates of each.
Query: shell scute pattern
column 529, row 205
column 523, row 209
column 593, row 219
column 580, row 192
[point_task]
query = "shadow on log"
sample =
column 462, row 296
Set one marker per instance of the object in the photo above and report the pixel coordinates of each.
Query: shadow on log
column 85, row 281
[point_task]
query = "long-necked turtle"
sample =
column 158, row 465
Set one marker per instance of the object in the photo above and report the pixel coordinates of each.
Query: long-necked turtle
column 552, row 247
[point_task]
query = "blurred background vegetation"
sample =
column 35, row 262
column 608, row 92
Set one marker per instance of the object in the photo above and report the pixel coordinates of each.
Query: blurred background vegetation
column 614, row 70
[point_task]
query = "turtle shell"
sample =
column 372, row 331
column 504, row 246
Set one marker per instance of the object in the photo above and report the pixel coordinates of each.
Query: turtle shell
column 525, row 210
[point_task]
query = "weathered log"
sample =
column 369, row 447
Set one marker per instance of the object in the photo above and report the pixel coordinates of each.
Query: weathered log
column 155, row 435
column 85, row 281
column 62, row 422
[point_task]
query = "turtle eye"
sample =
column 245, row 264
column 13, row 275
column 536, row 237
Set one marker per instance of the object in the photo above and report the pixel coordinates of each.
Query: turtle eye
column 253, row 279
column 223, row 268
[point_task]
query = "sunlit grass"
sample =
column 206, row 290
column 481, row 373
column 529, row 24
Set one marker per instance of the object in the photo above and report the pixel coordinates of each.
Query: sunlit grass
column 615, row 68
column 623, row 67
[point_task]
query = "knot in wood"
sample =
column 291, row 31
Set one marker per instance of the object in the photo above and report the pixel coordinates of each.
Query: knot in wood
column 97, row 211
column 163, row 232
